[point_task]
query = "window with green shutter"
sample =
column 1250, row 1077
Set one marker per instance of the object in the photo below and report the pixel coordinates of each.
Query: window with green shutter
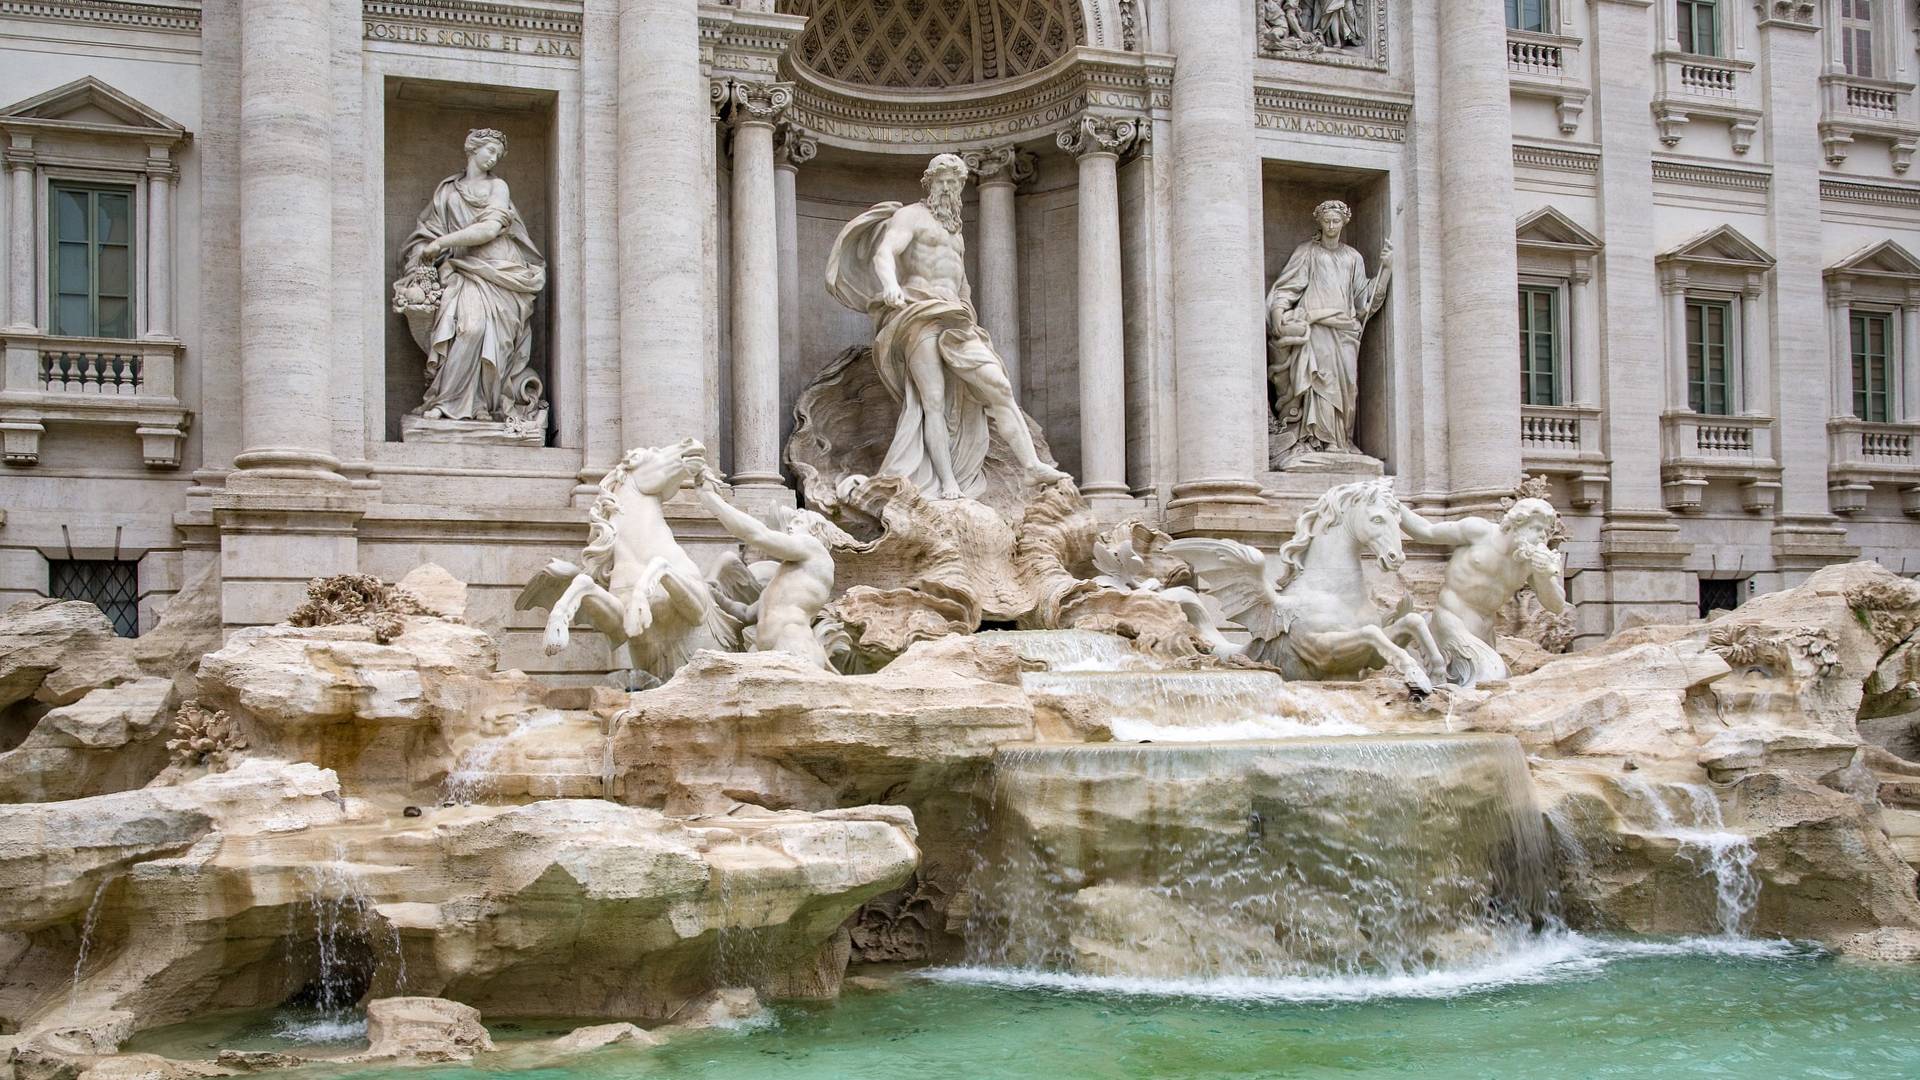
column 1871, row 334
column 92, row 260
column 1530, row 15
column 1709, row 344
column 1698, row 26
column 1539, row 345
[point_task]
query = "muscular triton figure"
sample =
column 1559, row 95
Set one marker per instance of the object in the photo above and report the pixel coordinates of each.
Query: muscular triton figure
column 905, row 266
column 1489, row 564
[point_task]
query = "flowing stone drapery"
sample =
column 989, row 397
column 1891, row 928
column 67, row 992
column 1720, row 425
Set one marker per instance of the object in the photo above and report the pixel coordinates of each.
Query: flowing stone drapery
column 999, row 173
column 286, row 240
column 1219, row 405
column 753, row 109
column 1478, row 260
column 1097, row 142
column 663, row 126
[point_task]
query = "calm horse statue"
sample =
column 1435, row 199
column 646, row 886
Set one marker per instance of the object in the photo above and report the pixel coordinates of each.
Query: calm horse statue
column 1307, row 608
column 634, row 582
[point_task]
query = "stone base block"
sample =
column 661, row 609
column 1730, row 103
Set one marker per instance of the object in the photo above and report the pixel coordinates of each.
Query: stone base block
column 532, row 432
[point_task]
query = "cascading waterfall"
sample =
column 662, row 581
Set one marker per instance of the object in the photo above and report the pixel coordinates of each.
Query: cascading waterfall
column 87, row 927
column 1360, row 855
column 339, row 914
column 1194, row 706
column 1690, row 814
column 472, row 776
column 1072, row 650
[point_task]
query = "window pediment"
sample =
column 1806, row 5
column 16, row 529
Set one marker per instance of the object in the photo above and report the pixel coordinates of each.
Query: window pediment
column 1549, row 230
column 88, row 106
column 1884, row 260
column 1723, row 247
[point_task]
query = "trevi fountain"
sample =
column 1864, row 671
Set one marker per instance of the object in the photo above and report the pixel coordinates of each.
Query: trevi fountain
column 865, row 737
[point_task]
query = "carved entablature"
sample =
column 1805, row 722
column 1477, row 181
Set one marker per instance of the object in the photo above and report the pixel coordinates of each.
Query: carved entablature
column 1346, row 33
column 119, row 14
column 531, row 28
column 737, row 41
column 1305, row 112
column 998, row 113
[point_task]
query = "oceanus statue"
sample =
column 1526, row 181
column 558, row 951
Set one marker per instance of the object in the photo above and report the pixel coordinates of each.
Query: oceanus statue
column 1306, row 607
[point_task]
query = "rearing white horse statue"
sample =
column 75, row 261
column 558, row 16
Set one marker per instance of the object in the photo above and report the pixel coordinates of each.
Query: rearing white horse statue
column 1307, row 607
column 634, row 582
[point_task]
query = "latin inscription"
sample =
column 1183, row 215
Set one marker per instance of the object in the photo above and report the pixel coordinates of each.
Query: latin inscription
column 480, row 40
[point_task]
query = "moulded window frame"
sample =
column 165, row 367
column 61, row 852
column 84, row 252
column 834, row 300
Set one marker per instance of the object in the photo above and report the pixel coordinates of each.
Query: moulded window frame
column 1563, row 328
column 1736, row 349
column 45, row 177
column 1896, row 353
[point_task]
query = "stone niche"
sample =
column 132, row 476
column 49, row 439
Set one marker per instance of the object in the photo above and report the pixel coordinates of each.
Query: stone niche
column 426, row 124
column 1288, row 193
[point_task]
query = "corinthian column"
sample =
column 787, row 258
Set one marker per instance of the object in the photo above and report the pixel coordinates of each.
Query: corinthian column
column 791, row 149
column 752, row 111
column 1097, row 142
column 664, row 123
column 1218, row 359
column 1478, row 260
column 1000, row 173
column 286, row 242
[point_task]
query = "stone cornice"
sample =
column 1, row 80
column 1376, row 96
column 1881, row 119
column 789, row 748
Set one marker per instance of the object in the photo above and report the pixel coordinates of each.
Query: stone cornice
column 552, row 20
column 1284, row 108
column 1528, row 156
column 745, row 42
column 1693, row 174
column 1006, row 111
column 1904, row 196
column 177, row 18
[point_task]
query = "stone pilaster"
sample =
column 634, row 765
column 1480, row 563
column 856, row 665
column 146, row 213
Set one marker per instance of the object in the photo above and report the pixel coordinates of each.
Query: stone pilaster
column 1806, row 534
column 20, row 247
column 791, row 149
column 600, row 304
column 1478, row 257
column 1000, row 172
column 1219, row 363
column 160, row 180
column 752, row 111
column 1097, row 142
column 663, row 125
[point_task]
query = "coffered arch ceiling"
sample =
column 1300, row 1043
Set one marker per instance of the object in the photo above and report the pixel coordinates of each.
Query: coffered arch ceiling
column 932, row 44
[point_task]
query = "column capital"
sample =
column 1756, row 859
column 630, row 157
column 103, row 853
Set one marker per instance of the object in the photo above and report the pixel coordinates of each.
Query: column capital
column 792, row 146
column 744, row 102
column 1790, row 14
column 999, row 164
column 19, row 157
column 1101, row 135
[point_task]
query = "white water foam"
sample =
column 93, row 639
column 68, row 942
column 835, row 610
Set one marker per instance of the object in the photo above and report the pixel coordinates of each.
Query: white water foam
column 472, row 776
column 1546, row 958
column 1136, row 729
column 314, row 1031
column 1717, row 851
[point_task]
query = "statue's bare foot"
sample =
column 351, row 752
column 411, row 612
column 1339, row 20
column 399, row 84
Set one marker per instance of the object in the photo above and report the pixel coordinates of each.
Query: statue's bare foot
column 1042, row 474
column 433, row 414
column 950, row 492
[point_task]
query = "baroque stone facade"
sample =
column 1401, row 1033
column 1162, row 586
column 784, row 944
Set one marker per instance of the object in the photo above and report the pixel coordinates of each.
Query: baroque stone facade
column 1707, row 250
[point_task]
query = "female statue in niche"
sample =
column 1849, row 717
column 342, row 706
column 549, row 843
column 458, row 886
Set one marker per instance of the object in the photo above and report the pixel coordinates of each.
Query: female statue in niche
column 1316, row 311
column 470, row 275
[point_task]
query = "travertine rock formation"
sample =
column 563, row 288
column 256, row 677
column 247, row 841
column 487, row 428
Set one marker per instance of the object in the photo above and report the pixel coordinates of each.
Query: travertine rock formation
column 424, row 1029
column 110, row 740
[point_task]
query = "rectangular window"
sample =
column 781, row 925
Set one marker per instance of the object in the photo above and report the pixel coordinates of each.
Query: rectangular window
column 1698, row 23
column 1539, row 345
column 1719, row 594
column 1856, row 37
column 112, row 585
column 92, row 261
column 1871, row 336
column 1709, row 341
column 1530, row 15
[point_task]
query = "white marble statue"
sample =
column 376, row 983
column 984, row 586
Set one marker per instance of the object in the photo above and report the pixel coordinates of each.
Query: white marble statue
column 781, row 598
column 1316, row 312
column 470, row 275
column 905, row 266
column 634, row 583
column 1307, row 607
column 1341, row 23
column 1490, row 563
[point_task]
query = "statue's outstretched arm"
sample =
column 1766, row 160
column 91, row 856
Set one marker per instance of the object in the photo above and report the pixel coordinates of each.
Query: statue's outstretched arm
column 753, row 532
column 1549, row 585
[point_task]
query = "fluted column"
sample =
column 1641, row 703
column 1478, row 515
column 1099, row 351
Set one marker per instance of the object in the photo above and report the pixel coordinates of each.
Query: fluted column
column 1000, row 172
column 1478, row 258
column 1218, row 358
column 286, row 241
column 791, row 149
column 752, row 111
column 160, row 177
column 1097, row 142
column 20, row 260
column 664, row 119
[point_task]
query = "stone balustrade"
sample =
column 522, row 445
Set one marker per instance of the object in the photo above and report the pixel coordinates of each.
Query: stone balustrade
column 1690, row 86
column 1861, row 454
column 1852, row 108
column 1564, row 440
column 1548, row 66
column 1697, row 448
column 102, row 381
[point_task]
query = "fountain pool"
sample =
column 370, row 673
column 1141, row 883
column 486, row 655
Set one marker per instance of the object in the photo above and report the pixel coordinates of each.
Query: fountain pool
column 1568, row 1006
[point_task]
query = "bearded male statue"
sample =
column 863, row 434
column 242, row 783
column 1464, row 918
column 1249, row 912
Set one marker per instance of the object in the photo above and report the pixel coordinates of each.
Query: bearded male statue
column 1490, row 563
column 906, row 267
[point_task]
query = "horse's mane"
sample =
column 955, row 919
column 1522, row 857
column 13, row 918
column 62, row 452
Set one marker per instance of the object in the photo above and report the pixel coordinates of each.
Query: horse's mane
column 596, row 559
column 1324, row 514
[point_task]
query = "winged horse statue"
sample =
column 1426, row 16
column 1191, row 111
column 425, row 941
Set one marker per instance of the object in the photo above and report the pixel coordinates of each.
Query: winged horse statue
column 634, row 583
column 1307, row 607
